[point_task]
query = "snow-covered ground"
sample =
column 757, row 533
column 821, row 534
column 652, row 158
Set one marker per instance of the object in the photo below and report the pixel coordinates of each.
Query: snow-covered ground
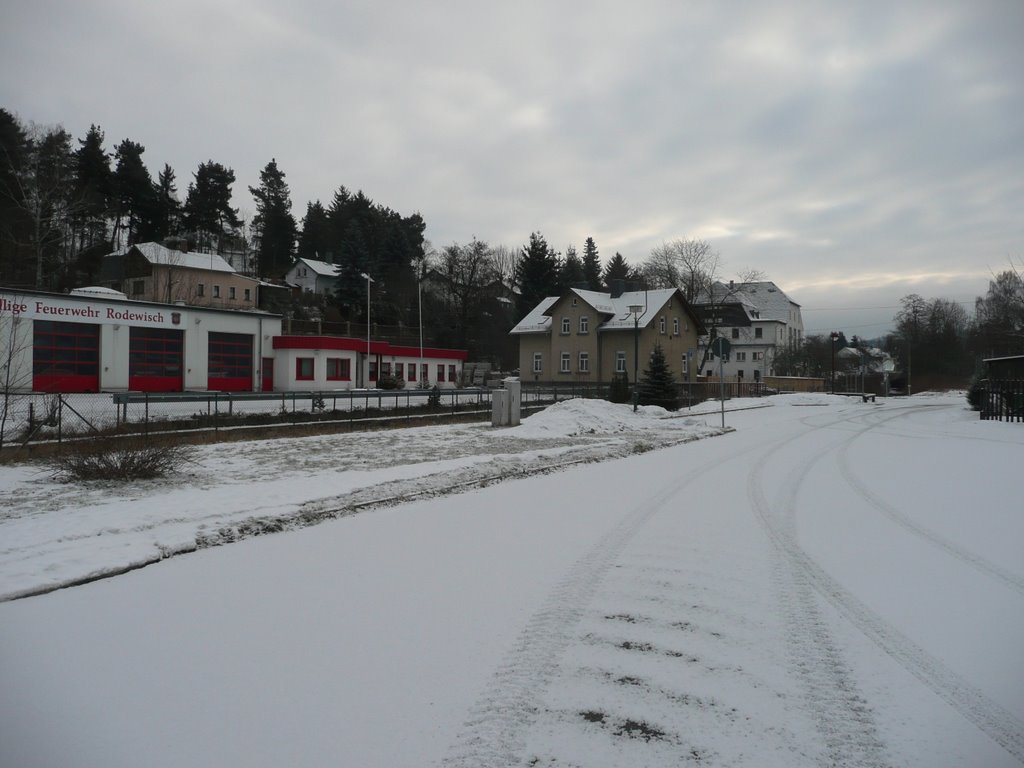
column 826, row 582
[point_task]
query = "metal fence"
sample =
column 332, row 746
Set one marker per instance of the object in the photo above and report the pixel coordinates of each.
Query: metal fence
column 27, row 417
column 1002, row 399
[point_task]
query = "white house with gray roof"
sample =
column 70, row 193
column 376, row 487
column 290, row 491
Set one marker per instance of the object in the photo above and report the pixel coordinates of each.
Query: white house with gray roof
column 757, row 318
column 313, row 276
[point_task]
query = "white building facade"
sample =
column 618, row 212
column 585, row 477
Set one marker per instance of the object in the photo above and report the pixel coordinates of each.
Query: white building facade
column 97, row 340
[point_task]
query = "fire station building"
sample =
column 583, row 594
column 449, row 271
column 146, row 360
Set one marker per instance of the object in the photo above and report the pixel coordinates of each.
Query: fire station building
column 96, row 339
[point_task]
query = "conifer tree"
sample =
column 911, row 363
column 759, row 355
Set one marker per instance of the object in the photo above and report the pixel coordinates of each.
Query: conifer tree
column 657, row 386
column 273, row 225
column 591, row 265
column 571, row 271
column 168, row 207
column 133, row 197
column 91, row 189
column 536, row 273
column 209, row 216
column 315, row 239
column 618, row 269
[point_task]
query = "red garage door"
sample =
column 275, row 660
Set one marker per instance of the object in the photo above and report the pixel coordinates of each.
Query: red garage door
column 65, row 357
column 155, row 360
column 230, row 362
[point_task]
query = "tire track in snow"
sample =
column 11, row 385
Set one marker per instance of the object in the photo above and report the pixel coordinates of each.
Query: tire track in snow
column 493, row 734
column 987, row 715
column 843, row 718
column 990, row 569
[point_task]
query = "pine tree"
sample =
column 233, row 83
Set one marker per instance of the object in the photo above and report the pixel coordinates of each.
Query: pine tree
column 591, row 265
column 536, row 273
column 15, row 225
column 91, row 189
column 168, row 208
column 315, row 239
column 657, row 387
column 133, row 197
column 273, row 224
column 571, row 271
column 618, row 269
column 209, row 216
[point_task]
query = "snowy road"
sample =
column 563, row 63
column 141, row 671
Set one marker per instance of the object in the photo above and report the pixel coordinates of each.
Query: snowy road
column 833, row 583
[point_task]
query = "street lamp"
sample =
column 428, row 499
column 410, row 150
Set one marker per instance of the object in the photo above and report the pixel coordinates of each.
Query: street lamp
column 835, row 337
column 368, row 281
column 635, row 310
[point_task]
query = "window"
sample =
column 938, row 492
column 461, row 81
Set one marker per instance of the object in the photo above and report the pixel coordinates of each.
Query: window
column 566, row 363
column 758, row 356
column 339, row 369
column 741, row 357
column 304, row 369
column 440, row 372
column 584, row 324
column 200, row 290
column 566, row 326
column 452, row 375
column 686, row 365
column 661, row 325
column 412, row 371
column 675, row 326
column 735, row 333
column 758, row 333
column 399, row 372
column 216, row 291
column 538, row 362
column 425, row 372
column 385, row 369
column 231, row 292
column 138, row 287
column 373, row 371
column 739, row 374
column 620, row 362
column 248, row 294
column 584, row 362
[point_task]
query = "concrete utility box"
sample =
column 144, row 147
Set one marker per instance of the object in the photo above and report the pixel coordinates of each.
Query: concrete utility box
column 499, row 408
column 505, row 403
column 515, row 398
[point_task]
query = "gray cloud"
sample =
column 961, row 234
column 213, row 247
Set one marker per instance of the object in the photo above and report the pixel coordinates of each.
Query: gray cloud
column 854, row 153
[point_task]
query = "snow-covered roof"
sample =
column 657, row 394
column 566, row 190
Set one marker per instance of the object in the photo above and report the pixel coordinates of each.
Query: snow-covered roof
column 155, row 253
column 100, row 291
column 537, row 320
column 616, row 310
column 322, row 268
column 772, row 302
column 651, row 301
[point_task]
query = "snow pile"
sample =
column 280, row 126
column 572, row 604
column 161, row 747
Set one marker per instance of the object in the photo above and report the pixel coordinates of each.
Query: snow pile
column 588, row 417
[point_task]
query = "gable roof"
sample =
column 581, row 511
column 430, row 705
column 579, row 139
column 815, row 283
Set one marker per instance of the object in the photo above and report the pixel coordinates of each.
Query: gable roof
column 155, row 253
column 321, row 268
column 615, row 310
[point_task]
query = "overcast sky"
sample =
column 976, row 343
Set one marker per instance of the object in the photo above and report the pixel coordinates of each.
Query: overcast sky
column 854, row 152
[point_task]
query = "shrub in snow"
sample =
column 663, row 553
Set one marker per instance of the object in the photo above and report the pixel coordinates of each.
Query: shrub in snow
column 618, row 392
column 975, row 395
column 129, row 458
column 434, row 398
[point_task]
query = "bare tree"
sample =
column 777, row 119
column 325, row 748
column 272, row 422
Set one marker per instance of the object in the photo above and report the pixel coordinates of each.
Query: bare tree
column 691, row 265
column 15, row 364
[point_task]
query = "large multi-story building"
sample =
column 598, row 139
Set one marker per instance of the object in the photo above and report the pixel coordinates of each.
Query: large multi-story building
column 757, row 318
